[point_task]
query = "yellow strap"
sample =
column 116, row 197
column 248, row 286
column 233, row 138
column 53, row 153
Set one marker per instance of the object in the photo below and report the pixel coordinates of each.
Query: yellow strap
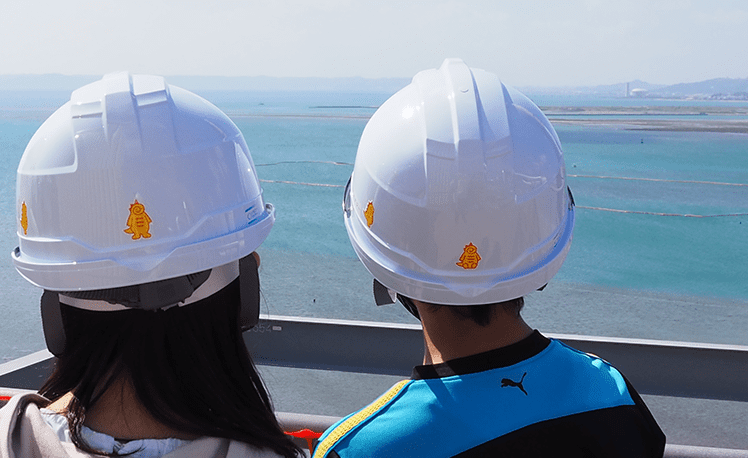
column 345, row 427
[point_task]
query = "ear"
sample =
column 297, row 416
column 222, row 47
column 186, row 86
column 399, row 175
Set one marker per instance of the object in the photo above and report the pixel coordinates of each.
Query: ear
column 249, row 292
column 54, row 333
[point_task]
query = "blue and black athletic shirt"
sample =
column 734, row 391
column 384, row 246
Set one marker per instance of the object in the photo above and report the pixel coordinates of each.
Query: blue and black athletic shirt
column 535, row 398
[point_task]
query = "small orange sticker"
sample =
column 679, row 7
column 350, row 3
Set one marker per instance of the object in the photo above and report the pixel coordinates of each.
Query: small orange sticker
column 24, row 219
column 139, row 223
column 470, row 257
column 369, row 214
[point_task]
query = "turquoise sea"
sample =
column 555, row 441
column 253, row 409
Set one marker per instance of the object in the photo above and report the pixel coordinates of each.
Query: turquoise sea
column 627, row 269
column 638, row 266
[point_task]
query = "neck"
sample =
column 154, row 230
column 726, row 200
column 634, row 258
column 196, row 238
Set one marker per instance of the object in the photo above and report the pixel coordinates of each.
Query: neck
column 120, row 414
column 448, row 337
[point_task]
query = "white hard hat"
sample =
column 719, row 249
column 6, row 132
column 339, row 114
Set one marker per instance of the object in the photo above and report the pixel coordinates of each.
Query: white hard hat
column 135, row 181
column 458, row 195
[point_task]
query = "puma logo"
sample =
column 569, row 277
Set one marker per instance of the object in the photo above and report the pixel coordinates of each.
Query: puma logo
column 509, row 382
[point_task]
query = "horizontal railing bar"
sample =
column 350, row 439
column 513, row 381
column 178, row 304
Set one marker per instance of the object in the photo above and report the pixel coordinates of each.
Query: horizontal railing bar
column 24, row 361
column 691, row 451
column 28, row 372
column 682, row 369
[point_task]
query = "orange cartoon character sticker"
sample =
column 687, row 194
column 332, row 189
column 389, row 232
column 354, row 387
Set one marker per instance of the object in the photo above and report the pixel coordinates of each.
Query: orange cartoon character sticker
column 139, row 223
column 369, row 214
column 24, row 219
column 470, row 257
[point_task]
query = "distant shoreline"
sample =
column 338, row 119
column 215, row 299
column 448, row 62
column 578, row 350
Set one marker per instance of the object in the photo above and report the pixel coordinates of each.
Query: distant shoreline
column 690, row 118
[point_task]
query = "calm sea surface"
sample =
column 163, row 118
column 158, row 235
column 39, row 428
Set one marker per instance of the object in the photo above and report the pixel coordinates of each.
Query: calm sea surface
column 638, row 267
column 644, row 270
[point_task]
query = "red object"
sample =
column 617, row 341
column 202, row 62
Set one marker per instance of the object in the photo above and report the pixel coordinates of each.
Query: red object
column 307, row 434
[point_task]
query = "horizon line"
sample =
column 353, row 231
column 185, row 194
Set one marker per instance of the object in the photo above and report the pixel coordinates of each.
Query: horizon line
column 382, row 79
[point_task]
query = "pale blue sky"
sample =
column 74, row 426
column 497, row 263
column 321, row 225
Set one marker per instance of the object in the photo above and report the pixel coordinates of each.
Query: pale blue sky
column 526, row 42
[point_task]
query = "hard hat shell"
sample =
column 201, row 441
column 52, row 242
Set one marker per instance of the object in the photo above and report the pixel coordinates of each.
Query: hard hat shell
column 458, row 193
column 134, row 181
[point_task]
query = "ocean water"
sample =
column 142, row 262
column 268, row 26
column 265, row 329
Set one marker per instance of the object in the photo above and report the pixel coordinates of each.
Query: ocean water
column 634, row 272
column 644, row 270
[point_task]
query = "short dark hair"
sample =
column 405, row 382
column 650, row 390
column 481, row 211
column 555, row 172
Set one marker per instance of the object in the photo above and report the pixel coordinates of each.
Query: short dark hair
column 481, row 315
column 189, row 367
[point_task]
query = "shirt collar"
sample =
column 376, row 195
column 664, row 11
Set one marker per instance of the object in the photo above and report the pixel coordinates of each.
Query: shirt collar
column 492, row 359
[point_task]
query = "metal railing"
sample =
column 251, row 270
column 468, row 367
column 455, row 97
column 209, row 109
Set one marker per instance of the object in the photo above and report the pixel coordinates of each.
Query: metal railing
column 681, row 369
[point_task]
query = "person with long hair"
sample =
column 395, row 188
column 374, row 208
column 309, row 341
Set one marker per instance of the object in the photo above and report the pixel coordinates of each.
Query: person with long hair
column 139, row 213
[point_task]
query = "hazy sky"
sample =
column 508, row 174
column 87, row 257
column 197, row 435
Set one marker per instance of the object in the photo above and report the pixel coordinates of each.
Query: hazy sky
column 526, row 42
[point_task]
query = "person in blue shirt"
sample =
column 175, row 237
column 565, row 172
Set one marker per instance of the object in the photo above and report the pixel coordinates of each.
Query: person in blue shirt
column 458, row 206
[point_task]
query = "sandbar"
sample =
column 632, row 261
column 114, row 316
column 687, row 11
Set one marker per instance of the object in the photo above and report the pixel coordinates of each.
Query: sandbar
column 658, row 118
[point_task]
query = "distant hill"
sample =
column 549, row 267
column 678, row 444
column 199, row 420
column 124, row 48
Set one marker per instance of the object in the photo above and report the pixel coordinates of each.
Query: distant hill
column 608, row 90
column 49, row 82
column 736, row 88
column 723, row 86
column 56, row 82
column 714, row 88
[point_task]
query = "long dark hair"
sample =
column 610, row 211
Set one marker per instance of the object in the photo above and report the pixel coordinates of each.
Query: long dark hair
column 188, row 365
